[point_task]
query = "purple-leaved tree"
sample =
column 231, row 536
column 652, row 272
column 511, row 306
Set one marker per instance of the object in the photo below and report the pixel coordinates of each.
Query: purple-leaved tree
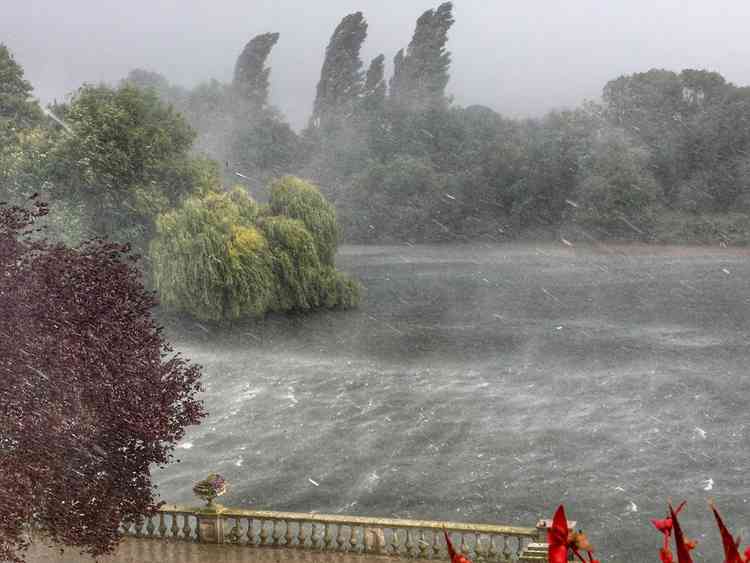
column 90, row 393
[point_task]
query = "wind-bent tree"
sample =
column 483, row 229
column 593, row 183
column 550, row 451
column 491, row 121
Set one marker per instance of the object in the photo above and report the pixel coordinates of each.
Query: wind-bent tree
column 421, row 74
column 373, row 93
column 90, row 397
column 341, row 75
column 250, row 71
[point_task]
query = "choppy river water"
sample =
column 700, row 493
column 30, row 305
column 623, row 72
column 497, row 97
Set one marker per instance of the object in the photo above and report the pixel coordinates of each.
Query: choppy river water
column 488, row 384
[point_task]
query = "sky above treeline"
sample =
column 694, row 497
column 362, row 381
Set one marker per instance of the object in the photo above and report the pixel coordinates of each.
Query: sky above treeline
column 521, row 58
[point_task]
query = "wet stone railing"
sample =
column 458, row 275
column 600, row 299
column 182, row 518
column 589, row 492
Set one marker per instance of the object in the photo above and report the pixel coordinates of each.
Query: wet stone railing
column 416, row 539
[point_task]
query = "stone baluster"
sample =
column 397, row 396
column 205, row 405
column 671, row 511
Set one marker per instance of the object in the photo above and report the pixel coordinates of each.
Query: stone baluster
column 327, row 537
column 162, row 525
column 150, row 527
column 186, row 530
column 234, row 533
column 288, row 538
column 478, row 547
column 507, row 552
column 316, row 540
column 463, row 546
column 251, row 539
column 263, row 533
column 139, row 527
column 340, row 539
column 423, row 545
column 174, row 528
column 435, row 545
column 301, row 535
column 353, row 538
column 491, row 550
column 411, row 548
column 276, row 532
column 395, row 542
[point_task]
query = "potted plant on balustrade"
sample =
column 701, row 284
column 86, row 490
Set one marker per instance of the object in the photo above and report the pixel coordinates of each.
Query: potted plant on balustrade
column 209, row 488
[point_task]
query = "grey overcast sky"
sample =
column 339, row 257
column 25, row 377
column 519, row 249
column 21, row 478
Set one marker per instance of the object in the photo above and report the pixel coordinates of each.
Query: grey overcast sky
column 520, row 57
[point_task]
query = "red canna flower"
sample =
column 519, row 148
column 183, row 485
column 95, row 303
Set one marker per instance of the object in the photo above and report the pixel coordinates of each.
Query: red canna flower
column 684, row 545
column 455, row 557
column 559, row 541
column 557, row 537
column 665, row 525
column 665, row 554
column 731, row 553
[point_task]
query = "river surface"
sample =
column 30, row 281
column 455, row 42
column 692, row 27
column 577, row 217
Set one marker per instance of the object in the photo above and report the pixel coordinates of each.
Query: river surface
column 489, row 384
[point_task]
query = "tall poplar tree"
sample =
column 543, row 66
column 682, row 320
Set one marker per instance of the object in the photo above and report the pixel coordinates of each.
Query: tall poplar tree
column 341, row 78
column 421, row 74
column 250, row 71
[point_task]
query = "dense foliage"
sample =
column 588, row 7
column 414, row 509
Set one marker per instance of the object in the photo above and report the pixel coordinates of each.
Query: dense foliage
column 220, row 257
column 663, row 156
column 91, row 397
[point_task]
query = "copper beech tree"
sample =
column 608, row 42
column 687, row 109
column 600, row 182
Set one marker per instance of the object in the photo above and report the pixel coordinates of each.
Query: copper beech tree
column 90, row 394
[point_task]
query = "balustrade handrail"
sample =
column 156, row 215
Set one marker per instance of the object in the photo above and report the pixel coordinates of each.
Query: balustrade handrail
column 370, row 521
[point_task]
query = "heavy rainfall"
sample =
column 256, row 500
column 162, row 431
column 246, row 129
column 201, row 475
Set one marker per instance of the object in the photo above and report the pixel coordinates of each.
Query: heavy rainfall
column 459, row 262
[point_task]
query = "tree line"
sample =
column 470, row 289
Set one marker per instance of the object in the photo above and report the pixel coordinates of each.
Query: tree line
column 662, row 155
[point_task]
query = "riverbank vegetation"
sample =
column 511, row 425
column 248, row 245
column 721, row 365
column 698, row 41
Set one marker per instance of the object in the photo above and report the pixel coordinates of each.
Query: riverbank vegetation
column 662, row 156
column 117, row 164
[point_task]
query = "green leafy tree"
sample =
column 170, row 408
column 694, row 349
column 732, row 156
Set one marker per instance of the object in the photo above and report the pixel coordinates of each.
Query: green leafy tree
column 616, row 192
column 421, row 74
column 127, row 160
column 17, row 109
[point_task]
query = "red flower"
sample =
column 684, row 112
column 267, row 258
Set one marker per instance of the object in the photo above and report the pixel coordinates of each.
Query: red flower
column 731, row 553
column 684, row 545
column 455, row 557
column 557, row 537
column 665, row 525
column 559, row 540
column 666, row 555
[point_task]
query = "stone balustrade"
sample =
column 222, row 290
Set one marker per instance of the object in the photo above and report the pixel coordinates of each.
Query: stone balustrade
column 416, row 539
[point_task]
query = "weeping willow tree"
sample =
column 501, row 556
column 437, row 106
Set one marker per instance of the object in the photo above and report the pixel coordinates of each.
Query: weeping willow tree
column 297, row 199
column 218, row 258
column 211, row 261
